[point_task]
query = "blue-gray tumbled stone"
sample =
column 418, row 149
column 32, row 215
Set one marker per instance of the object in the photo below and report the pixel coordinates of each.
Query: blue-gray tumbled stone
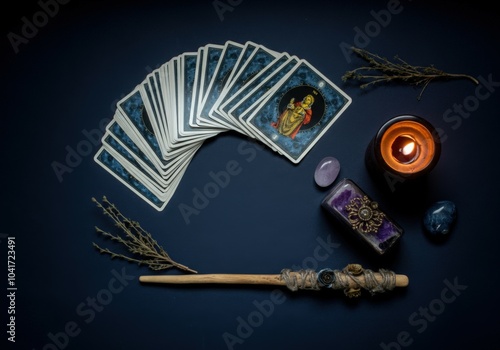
column 440, row 217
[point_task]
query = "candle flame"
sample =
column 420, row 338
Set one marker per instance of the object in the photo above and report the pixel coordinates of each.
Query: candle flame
column 408, row 148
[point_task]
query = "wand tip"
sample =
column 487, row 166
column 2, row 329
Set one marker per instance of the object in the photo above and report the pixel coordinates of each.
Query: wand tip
column 402, row 281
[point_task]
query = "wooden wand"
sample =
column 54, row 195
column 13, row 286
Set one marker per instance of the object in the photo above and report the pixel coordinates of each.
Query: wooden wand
column 352, row 279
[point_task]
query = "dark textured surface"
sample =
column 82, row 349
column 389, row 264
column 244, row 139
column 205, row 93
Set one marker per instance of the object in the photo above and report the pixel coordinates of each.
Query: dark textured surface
column 64, row 83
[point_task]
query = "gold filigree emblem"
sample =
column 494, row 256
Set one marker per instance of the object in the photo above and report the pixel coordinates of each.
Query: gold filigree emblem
column 363, row 214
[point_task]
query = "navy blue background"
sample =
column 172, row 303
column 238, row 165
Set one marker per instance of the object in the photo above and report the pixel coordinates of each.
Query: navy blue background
column 67, row 79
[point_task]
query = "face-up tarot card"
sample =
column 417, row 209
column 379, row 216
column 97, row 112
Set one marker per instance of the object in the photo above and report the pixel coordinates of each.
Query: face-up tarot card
column 298, row 111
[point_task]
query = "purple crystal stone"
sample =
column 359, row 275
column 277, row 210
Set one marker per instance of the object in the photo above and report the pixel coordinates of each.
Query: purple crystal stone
column 327, row 171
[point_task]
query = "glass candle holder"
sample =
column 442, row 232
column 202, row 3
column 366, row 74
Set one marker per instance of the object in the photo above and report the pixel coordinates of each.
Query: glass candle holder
column 405, row 147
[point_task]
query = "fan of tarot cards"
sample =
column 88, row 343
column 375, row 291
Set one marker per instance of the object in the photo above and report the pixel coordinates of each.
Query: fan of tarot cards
column 276, row 98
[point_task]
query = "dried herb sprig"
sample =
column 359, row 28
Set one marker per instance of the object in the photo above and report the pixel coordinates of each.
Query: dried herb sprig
column 138, row 241
column 382, row 70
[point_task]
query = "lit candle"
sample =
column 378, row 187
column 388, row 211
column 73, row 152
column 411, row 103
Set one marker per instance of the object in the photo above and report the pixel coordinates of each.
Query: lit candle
column 405, row 147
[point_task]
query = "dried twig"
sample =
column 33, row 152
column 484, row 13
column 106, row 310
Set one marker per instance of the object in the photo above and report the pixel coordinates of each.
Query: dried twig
column 140, row 243
column 381, row 70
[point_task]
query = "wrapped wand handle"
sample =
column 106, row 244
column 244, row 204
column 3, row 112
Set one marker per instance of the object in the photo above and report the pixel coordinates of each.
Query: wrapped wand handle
column 351, row 279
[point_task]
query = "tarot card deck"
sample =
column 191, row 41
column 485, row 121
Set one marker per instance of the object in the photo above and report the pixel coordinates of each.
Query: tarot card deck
column 278, row 99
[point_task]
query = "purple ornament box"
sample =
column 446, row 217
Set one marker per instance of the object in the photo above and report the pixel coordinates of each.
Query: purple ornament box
column 350, row 205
